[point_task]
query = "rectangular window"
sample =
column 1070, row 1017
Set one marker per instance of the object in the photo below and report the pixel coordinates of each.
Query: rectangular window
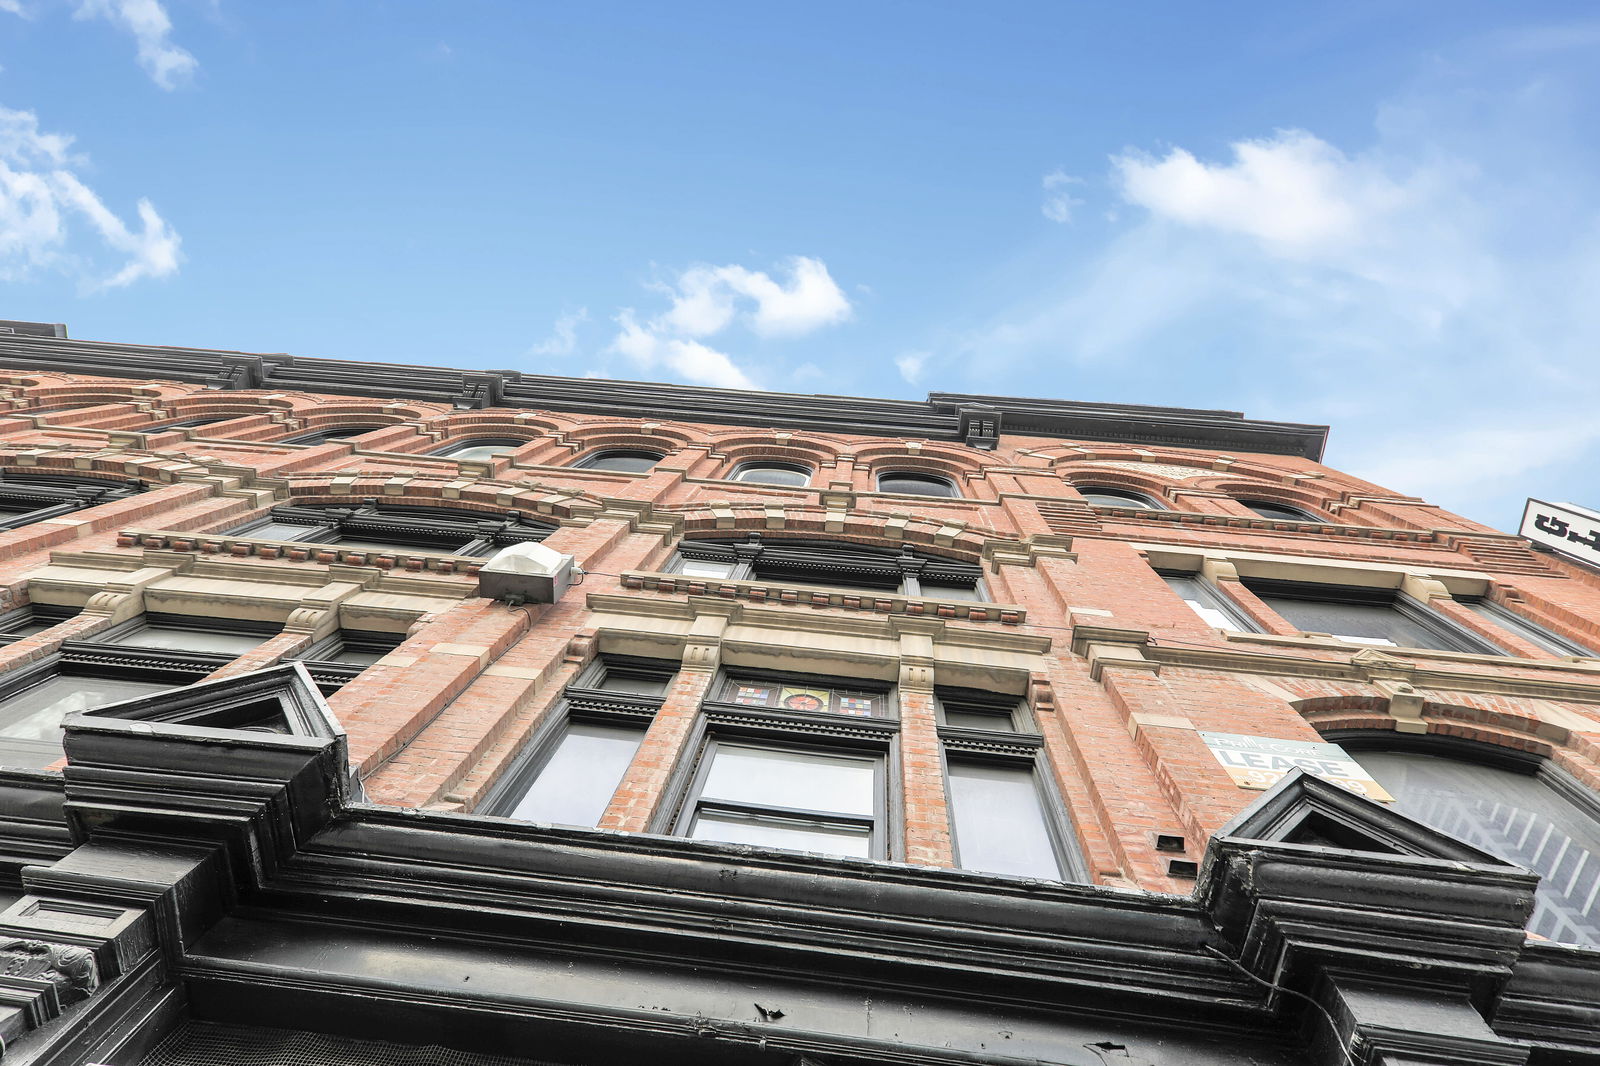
column 1379, row 617
column 582, row 773
column 30, row 717
column 998, row 815
column 184, row 633
column 353, row 647
column 1209, row 602
column 34, row 618
column 570, row 770
column 964, row 708
column 782, row 797
column 1528, row 630
column 803, row 696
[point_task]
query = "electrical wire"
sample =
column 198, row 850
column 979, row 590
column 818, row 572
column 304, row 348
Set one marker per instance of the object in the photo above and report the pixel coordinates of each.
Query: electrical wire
column 1333, row 1026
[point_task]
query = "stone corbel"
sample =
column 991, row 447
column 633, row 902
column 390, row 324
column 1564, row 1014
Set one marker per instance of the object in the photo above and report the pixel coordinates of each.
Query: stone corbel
column 702, row 648
column 1105, row 646
column 838, row 506
column 1423, row 588
column 1405, row 705
column 1218, row 570
column 1029, row 550
column 917, row 639
column 123, row 598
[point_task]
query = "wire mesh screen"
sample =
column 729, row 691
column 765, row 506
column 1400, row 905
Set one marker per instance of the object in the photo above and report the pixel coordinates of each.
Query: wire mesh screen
column 211, row 1044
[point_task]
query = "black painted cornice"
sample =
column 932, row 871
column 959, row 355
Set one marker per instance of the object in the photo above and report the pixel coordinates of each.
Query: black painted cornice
column 975, row 419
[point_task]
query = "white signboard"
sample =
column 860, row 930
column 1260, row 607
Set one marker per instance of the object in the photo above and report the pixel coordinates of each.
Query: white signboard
column 1562, row 527
column 1261, row 762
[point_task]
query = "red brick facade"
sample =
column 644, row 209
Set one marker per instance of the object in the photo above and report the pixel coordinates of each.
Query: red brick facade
column 1123, row 678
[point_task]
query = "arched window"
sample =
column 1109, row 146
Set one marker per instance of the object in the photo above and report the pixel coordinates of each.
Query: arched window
column 29, row 498
column 764, row 472
column 1110, row 497
column 331, row 433
column 1524, row 810
column 478, row 448
column 832, row 564
column 620, row 460
column 912, row 483
column 1282, row 512
column 391, row 530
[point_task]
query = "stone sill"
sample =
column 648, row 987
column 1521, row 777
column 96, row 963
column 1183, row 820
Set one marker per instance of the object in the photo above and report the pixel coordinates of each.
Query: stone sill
column 813, row 596
column 298, row 551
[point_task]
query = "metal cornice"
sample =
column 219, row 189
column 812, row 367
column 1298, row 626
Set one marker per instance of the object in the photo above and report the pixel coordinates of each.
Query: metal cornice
column 943, row 416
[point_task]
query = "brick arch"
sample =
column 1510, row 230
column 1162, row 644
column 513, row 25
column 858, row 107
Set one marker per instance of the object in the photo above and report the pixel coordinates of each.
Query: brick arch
column 467, row 425
column 64, row 462
column 438, row 490
column 813, row 524
column 1489, row 725
column 932, row 456
column 1145, row 484
column 233, row 404
column 817, row 452
column 108, row 391
column 1301, row 496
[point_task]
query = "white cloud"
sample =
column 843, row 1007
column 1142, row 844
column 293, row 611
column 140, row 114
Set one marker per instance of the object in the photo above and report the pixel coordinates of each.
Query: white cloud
column 1059, row 202
column 688, row 358
column 705, row 300
column 167, row 64
column 14, row 7
column 44, row 207
column 563, row 339
column 708, row 300
column 911, row 365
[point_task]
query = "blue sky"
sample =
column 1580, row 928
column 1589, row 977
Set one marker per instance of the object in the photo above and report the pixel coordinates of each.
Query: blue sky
column 1379, row 216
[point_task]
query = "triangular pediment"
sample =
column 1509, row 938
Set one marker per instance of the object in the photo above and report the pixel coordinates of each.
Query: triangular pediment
column 1304, row 809
column 279, row 699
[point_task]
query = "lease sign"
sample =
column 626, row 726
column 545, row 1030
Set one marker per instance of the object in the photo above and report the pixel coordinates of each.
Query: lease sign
column 1261, row 762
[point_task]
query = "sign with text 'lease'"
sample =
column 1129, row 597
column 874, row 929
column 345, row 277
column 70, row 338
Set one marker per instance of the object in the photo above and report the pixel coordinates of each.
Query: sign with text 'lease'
column 1261, row 762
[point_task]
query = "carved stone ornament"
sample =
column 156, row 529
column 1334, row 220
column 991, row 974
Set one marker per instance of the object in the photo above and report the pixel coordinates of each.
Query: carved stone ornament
column 71, row 970
column 1168, row 470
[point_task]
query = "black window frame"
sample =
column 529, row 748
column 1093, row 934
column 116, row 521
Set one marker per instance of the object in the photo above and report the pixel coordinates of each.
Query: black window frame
column 45, row 615
column 825, row 733
column 1139, row 501
column 752, row 465
column 115, row 635
column 589, row 459
column 327, row 671
column 582, row 701
column 1019, row 747
column 451, row 448
column 949, row 483
column 479, row 533
column 1452, row 636
column 901, row 571
column 1210, row 596
column 83, row 658
column 50, row 495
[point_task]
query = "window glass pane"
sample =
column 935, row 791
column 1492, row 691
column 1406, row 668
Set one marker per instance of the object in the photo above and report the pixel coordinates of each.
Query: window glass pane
column 915, row 485
column 1101, row 498
column 1198, row 597
column 576, row 784
column 622, row 462
column 1278, row 511
column 792, row 833
column 282, row 531
column 951, row 592
column 639, row 686
column 1512, row 815
column 998, row 821
column 705, row 568
column 1360, row 623
column 179, row 639
column 355, row 657
column 773, row 475
column 36, row 713
column 28, row 629
column 1528, row 631
column 481, row 451
column 791, row 779
column 977, row 720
